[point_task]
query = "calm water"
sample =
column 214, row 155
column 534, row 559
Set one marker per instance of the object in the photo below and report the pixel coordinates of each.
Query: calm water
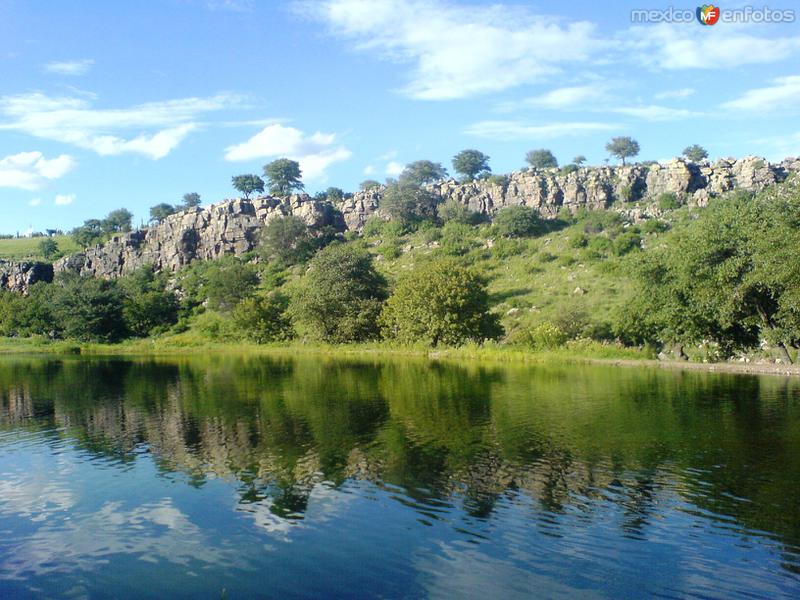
column 224, row 477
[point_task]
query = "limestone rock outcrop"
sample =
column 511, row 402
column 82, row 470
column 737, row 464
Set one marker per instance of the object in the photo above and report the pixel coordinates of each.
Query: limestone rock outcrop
column 19, row 276
column 550, row 190
column 233, row 226
column 230, row 227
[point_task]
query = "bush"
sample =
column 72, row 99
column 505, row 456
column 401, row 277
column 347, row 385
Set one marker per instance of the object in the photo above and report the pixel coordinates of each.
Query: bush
column 518, row 221
column 407, row 203
column 147, row 306
column 668, row 201
column 263, row 318
column 598, row 247
column 372, row 226
column 454, row 211
column 567, row 169
column 654, row 226
column 340, row 296
column 440, row 303
column 596, row 221
column 546, row 336
column 578, row 240
column 498, row 180
column 457, row 238
column 88, row 309
column 626, row 242
column 287, row 240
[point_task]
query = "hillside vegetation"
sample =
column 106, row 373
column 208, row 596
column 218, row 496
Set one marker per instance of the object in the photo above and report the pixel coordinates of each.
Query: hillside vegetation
column 708, row 283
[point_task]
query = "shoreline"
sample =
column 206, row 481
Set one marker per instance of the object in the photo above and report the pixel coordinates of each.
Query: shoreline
column 11, row 347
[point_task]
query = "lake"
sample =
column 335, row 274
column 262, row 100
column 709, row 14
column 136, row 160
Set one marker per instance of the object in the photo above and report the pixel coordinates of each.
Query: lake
column 228, row 477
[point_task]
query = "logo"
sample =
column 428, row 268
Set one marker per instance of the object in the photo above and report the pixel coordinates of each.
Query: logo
column 708, row 14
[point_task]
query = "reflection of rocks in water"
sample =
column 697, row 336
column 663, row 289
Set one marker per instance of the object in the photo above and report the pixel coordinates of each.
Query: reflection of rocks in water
column 362, row 466
column 16, row 405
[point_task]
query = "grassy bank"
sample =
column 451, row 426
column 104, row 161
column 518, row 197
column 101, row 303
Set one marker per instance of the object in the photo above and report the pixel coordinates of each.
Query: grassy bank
column 579, row 352
column 28, row 248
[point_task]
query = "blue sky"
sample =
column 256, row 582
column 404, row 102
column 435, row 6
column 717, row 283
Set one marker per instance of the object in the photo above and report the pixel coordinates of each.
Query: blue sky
column 109, row 104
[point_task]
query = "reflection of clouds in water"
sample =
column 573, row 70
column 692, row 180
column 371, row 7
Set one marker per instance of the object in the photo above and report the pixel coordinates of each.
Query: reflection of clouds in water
column 154, row 532
column 37, row 498
column 325, row 502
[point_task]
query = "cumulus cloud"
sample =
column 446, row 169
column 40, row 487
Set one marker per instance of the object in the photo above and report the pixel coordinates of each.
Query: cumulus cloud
column 315, row 152
column 31, row 170
column 459, row 51
column 64, row 199
column 514, row 130
column 35, row 202
column 559, row 98
column 655, row 112
column 394, row 168
column 69, row 67
column 785, row 93
column 676, row 46
column 675, row 94
column 152, row 129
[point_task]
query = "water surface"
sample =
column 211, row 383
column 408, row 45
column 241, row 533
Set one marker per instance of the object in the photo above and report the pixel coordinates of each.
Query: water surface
column 310, row 477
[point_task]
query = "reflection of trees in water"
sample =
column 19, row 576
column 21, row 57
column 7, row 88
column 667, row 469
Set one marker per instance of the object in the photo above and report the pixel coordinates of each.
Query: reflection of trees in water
column 562, row 436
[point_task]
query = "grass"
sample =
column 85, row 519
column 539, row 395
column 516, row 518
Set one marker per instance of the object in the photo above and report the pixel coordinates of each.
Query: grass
column 28, row 248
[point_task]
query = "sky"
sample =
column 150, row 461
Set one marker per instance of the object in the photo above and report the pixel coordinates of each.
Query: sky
column 130, row 104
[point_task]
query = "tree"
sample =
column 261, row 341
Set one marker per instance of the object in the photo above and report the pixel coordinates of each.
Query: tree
column 340, row 297
column 148, row 307
column 159, row 212
column 48, row 248
column 695, row 153
column 454, row 211
column 117, row 221
column 191, row 199
column 440, row 303
column 89, row 233
column 421, row 172
column 407, row 203
column 287, row 240
column 369, row 184
column 579, row 160
column 334, row 194
column 88, row 309
column 623, row 147
column 228, row 282
column 263, row 318
column 471, row 164
column 283, row 175
column 247, row 184
column 518, row 221
column 541, row 159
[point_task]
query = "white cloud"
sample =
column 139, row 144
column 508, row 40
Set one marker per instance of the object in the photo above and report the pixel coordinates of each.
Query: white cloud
column 35, row 202
column 394, row 168
column 64, row 199
column 511, row 130
column 784, row 94
column 231, row 5
column 564, row 97
column 31, row 170
column 315, row 152
column 654, row 112
column 675, row 94
column 459, row 51
column 369, row 170
column 69, row 67
column 153, row 129
column 676, row 46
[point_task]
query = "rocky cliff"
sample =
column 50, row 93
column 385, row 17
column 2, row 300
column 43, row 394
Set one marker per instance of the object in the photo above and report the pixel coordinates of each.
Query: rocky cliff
column 548, row 190
column 19, row 276
column 230, row 227
column 233, row 226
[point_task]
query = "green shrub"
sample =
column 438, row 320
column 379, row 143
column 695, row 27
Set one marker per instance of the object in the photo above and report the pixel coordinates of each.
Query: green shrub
column 263, row 318
column 567, row 169
column 453, row 210
column 668, row 201
column 578, row 240
column 654, row 226
column 626, row 242
column 626, row 193
column 340, row 296
column 499, row 180
column 518, row 221
column 440, row 303
column 506, row 248
column 597, row 221
column 372, row 226
column 546, row 336
column 457, row 238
